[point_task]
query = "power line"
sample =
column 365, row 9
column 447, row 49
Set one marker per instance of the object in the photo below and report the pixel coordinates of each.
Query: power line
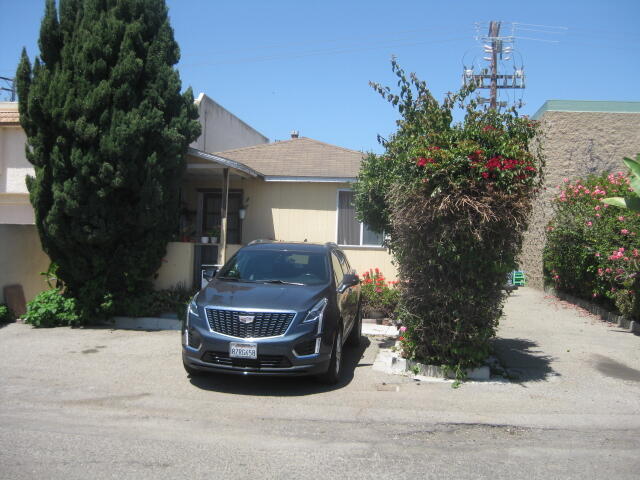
column 335, row 51
column 11, row 88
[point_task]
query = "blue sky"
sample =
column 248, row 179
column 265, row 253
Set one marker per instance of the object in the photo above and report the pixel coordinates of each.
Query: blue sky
column 281, row 65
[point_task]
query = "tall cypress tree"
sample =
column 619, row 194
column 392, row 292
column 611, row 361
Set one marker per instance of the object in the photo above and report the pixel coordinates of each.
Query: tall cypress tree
column 107, row 130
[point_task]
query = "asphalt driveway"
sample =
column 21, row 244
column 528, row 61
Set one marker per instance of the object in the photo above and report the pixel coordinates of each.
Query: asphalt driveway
column 117, row 404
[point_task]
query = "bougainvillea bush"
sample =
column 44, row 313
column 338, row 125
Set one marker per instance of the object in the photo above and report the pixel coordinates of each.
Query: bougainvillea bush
column 592, row 248
column 453, row 200
column 378, row 294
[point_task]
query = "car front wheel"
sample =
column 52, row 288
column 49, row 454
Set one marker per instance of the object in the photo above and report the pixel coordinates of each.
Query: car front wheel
column 355, row 336
column 332, row 375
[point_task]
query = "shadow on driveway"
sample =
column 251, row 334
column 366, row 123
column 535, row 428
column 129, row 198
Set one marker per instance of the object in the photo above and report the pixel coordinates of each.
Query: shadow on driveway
column 282, row 386
column 522, row 359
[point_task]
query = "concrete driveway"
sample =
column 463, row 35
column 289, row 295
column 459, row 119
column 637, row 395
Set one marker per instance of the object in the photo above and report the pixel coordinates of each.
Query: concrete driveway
column 117, row 404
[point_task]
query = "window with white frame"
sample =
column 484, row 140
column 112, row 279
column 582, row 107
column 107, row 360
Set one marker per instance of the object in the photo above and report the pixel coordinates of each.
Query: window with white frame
column 350, row 230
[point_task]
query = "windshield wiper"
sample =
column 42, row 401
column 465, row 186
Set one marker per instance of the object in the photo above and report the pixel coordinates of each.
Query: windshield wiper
column 235, row 279
column 282, row 282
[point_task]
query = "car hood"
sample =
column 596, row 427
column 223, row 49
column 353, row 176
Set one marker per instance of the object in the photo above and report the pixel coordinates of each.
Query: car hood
column 270, row 296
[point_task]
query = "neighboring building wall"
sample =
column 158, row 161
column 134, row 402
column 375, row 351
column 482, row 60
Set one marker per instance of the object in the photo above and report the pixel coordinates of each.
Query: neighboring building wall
column 222, row 130
column 14, row 167
column 576, row 144
column 22, row 260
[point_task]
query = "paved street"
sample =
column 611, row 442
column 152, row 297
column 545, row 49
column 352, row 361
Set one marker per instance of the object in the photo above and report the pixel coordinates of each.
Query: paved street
column 100, row 403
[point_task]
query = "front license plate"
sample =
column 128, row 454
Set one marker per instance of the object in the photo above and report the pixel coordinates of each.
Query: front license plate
column 243, row 350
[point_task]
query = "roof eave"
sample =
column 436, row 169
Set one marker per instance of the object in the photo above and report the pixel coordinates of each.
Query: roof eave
column 224, row 162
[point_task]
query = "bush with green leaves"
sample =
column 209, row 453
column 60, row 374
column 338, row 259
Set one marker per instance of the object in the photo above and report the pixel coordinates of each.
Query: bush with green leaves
column 6, row 314
column 453, row 199
column 378, row 294
column 154, row 302
column 107, row 131
column 592, row 248
column 52, row 308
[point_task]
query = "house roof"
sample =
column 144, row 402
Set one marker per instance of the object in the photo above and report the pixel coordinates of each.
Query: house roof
column 299, row 159
column 587, row 106
column 9, row 115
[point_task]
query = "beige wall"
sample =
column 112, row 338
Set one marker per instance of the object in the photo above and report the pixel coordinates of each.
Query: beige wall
column 365, row 259
column 575, row 145
column 22, row 260
column 222, row 130
column 177, row 265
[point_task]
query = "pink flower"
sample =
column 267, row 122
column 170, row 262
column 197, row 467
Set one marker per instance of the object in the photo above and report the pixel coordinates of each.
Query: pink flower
column 621, row 218
column 598, row 215
column 597, row 254
column 565, row 180
column 403, row 329
column 589, row 224
column 624, row 231
column 597, row 207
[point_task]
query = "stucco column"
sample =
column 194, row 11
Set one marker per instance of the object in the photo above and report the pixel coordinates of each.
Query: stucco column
column 222, row 247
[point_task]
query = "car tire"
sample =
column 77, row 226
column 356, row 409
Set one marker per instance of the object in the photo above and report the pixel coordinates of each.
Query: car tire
column 355, row 336
column 332, row 375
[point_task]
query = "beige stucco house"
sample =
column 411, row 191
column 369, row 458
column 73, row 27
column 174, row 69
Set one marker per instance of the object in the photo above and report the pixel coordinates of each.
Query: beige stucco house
column 579, row 138
column 236, row 182
column 294, row 190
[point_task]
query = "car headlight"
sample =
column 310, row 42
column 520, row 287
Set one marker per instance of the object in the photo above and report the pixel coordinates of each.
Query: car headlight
column 193, row 307
column 316, row 313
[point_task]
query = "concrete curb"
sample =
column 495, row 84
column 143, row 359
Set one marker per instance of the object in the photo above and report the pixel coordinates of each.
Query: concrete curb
column 620, row 320
column 389, row 361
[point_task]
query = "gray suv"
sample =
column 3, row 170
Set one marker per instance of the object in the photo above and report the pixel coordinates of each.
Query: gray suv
column 275, row 309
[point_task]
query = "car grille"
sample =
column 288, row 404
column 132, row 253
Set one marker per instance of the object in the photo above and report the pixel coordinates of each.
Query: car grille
column 264, row 324
column 263, row 361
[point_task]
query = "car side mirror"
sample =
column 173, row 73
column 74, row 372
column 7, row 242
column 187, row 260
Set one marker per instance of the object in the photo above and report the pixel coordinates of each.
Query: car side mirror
column 349, row 280
column 209, row 273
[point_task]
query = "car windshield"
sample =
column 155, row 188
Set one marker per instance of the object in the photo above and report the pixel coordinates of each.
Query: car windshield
column 276, row 266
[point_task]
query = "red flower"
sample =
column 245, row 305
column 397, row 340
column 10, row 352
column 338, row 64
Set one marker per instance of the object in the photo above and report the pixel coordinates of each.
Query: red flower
column 487, row 128
column 401, row 338
column 434, row 148
column 485, row 174
column 421, row 162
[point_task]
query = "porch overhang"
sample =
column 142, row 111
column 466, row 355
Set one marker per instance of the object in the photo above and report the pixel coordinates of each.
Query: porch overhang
column 199, row 162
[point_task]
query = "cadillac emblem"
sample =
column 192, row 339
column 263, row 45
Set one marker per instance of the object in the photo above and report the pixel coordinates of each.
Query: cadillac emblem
column 246, row 318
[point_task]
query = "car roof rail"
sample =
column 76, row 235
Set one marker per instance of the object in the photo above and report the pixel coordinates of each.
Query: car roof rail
column 260, row 240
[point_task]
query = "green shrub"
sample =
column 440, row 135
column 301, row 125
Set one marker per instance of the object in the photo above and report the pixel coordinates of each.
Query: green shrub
column 378, row 295
column 592, row 249
column 154, row 302
column 52, row 308
column 6, row 314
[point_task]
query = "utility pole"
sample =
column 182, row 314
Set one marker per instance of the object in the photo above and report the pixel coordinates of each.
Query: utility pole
column 12, row 88
column 498, row 48
column 494, row 32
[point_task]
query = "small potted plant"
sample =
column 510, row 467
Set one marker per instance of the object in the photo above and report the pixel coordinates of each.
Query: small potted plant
column 213, row 235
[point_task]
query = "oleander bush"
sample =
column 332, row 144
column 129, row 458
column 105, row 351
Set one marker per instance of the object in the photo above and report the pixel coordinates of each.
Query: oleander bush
column 453, row 200
column 592, row 249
